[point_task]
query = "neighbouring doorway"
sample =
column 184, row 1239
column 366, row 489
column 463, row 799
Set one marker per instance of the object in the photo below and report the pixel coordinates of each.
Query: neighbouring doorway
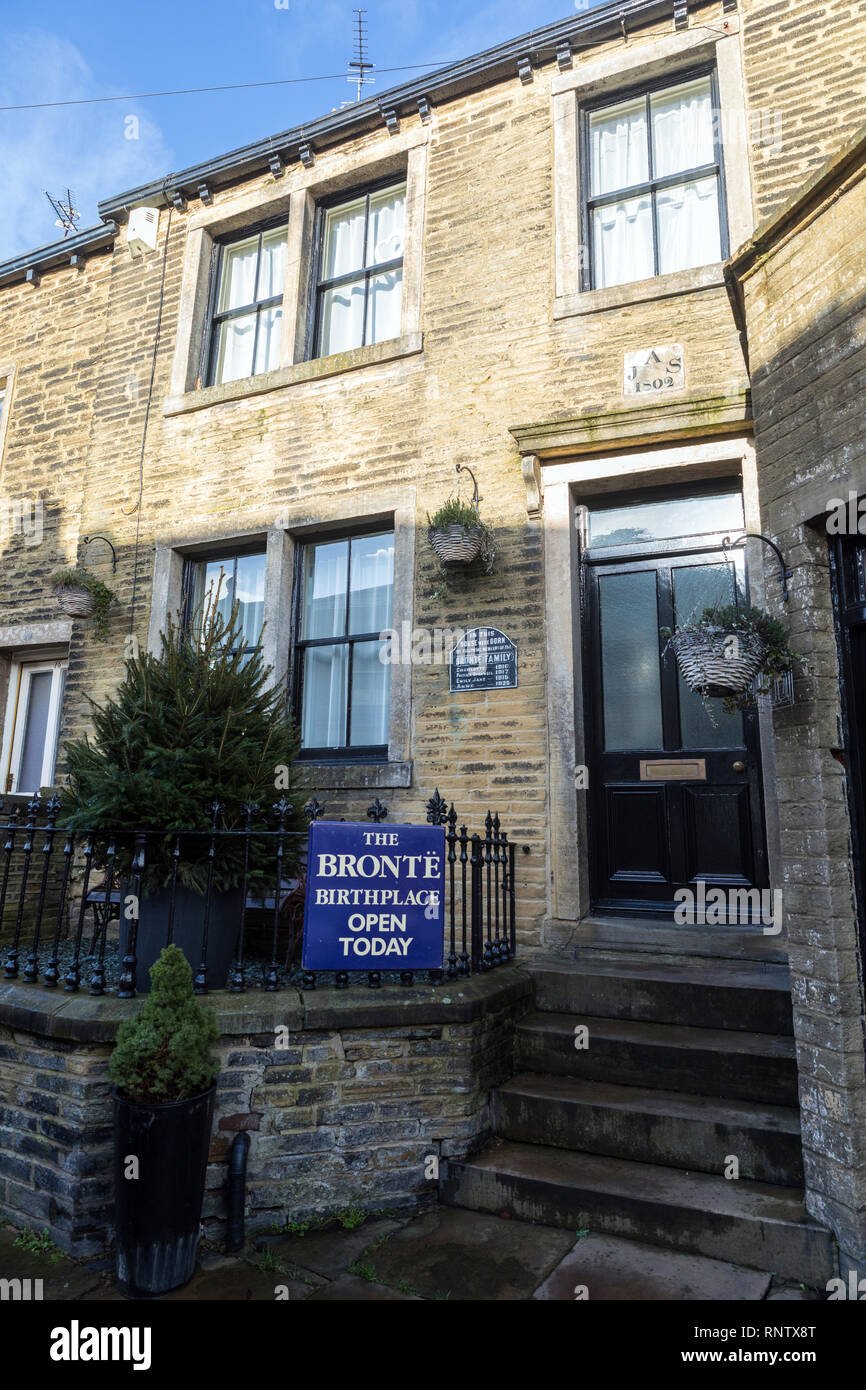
column 674, row 786
column 848, row 567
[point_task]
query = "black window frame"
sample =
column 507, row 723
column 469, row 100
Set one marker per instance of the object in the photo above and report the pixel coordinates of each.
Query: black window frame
column 652, row 185
column 320, row 286
column 211, row 557
column 347, row 753
column 210, row 340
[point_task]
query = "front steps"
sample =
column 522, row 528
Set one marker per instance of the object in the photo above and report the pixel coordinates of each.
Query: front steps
column 685, row 1068
column 744, row 1066
column 675, row 1129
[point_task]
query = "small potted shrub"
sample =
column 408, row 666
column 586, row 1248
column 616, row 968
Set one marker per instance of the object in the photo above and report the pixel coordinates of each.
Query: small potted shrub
column 194, row 726
column 164, row 1087
column 80, row 594
column 731, row 653
column 456, row 532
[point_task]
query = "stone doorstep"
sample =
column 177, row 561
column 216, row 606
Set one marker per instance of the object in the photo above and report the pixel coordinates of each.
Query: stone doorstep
column 34, row 1009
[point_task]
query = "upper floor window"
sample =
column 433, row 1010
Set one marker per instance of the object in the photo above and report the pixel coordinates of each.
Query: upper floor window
column 341, row 684
column 360, row 281
column 2, row 400
column 215, row 584
column 652, row 169
column 247, row 305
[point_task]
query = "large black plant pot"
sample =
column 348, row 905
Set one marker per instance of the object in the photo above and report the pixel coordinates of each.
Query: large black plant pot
column 157, row 1214
column 225, row 921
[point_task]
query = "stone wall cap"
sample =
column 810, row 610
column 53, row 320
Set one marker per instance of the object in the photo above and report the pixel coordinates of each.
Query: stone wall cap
column 83, row 1018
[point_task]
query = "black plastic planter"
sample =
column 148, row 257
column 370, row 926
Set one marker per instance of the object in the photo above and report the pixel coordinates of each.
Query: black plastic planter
column 157, row 1214
column 226, row 912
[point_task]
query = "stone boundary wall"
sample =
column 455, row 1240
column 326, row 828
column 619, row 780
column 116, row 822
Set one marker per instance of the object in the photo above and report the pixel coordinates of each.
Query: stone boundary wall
column 368, row 1085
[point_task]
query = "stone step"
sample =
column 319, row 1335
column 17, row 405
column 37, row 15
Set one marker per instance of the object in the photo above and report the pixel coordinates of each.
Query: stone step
column 651, row 1126
column 744, row 1222
column 607, row 936
column 612, row 1269
column 702, row 1061
column 732, row 995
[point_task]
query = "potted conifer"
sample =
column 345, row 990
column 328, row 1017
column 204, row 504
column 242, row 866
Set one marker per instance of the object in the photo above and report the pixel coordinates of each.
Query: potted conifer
column 164, row 1087
column 195, row 727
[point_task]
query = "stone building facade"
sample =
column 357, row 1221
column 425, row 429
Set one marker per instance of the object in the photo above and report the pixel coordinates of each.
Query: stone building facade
column 799, row 289
column 588, row 402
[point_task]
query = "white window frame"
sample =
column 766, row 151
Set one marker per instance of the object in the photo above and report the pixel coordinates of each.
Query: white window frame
column 23, row 670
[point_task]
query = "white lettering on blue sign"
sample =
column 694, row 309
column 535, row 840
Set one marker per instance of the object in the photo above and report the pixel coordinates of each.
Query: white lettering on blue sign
column 399, row 873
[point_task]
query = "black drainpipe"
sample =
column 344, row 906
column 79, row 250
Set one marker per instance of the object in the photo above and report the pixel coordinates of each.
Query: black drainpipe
column 237, row 1190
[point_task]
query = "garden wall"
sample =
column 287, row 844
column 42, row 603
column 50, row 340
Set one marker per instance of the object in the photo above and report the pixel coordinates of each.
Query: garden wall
column 346, row 1094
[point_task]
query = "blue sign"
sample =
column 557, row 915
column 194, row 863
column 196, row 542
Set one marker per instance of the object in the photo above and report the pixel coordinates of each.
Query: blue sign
column 374, row 897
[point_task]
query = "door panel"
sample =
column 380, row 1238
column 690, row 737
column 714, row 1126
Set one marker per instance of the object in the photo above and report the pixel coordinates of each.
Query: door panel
column 718, row 834
column 648, row 840
column 637, row 834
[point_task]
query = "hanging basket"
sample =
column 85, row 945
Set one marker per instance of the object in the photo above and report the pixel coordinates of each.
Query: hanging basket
column 707, row 666
column 456, row 544
column 77, row 602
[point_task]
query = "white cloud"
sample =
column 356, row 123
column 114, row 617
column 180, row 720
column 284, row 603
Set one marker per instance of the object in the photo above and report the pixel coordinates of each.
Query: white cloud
column 84, row 148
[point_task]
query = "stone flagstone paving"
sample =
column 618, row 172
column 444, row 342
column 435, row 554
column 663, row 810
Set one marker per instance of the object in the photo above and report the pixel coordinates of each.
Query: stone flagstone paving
column 438, row 1255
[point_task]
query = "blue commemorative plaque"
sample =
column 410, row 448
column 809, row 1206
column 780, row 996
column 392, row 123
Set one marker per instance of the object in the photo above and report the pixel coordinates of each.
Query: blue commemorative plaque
column 374, row 897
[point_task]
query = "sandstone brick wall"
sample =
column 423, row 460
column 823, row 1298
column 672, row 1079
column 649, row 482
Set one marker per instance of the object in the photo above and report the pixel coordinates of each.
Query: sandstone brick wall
column 806, row 312
column 346, row 1114
column 493, row 356
column 805, row 67
column 56, row 1146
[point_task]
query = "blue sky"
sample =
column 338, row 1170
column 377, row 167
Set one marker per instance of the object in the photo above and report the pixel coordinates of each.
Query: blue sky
column 57, row 50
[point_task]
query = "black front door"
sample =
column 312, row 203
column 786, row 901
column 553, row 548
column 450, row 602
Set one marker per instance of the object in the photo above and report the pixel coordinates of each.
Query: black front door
column 675, row 785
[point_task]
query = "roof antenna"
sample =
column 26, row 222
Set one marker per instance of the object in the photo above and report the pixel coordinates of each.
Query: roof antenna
column 359, row 62
column 67, row 217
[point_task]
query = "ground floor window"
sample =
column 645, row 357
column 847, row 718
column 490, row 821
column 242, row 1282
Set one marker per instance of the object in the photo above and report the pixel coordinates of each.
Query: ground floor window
column 214, row 584
column 32, row 724
column 342, row 693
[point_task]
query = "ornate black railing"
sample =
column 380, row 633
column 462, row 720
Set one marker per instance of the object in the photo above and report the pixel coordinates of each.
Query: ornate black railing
column 62, row 893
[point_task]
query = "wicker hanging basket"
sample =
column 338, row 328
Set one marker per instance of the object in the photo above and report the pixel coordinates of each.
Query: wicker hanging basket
column 77, row 602
column 456, row 544
column 707, row 665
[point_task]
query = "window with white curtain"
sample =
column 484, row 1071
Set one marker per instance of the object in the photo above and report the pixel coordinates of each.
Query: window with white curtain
column 247, row 305
column 654, row 183
column 213, row 586
column 341, row 686
column 360, row 282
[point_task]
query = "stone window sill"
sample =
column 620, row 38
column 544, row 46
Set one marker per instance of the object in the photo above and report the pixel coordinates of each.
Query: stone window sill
column 315, row 370
column 325, row 776
column 704, row 277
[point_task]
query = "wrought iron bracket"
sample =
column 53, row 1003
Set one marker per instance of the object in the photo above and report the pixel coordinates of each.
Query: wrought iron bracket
column 464, row 468
column 88, row 540
column 784, row 573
